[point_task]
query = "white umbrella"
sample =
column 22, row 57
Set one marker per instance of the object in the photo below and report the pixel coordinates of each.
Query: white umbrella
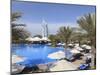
column 29, row 39
column 62, row 44
column 77, row 44
column 79, row 48
column 36, row 39
column 83, row 45
column 88, row 47
column 59, row 44
column 45, row 39
column 75, row 51
column 70, row 44
column 57, row 55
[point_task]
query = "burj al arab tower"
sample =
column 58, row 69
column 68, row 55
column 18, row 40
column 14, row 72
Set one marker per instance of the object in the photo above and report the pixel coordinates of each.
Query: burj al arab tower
column 44, row 29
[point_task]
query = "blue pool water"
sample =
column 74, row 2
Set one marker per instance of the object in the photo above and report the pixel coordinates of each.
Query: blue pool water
column 34, row 54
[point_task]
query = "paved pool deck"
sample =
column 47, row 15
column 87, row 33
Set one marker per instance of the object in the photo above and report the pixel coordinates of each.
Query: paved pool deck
column 63, row 65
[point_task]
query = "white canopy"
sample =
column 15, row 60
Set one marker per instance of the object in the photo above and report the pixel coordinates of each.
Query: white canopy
column 36, row 39
column 77, row 45
column 70, row 44
column 62, row 44
column 29, row 39
column 57, row 55
column 79, row 48
column 83, row 45
column 75, row 51
column 59, row 44
column 45, row 39
column 86, row 46
column 33, row 39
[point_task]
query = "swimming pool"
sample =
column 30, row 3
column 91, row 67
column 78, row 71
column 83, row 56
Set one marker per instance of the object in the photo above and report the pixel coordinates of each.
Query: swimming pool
column 34, row 53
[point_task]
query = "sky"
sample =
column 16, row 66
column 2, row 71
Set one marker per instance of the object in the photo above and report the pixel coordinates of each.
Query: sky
column 56, row 15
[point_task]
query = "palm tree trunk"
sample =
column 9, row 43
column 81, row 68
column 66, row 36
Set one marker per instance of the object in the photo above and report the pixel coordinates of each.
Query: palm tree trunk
column 65, row 46
column 93, row 54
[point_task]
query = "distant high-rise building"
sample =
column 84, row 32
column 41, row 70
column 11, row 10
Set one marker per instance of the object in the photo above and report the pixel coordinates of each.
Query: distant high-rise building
column 44, row 28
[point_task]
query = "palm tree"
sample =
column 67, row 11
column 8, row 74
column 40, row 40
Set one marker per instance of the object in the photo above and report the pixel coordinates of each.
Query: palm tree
column 18, row 30
column 15, row 16
column 54, row 40
column 77, row 37
column 88, row 23
column 64, row 34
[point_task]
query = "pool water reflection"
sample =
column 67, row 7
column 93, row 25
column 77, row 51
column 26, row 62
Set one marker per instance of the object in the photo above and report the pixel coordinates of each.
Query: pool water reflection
column 34, row 53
